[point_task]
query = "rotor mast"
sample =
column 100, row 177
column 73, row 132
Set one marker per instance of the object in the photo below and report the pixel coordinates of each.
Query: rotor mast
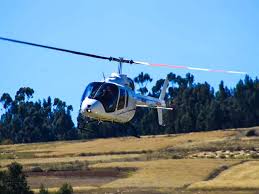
column 120, row 65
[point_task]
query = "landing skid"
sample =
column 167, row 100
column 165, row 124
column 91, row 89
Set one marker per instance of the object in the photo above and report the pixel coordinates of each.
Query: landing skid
column 127, row 125
column 88, row 122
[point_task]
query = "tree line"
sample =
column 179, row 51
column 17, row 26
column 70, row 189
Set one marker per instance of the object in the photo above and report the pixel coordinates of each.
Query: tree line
column 197, row 107
column 26, row 121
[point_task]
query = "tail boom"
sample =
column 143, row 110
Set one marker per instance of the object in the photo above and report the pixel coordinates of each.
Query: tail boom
column 157, row 103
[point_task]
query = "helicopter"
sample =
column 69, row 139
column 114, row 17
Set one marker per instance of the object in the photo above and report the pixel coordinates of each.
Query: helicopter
column 114, row 99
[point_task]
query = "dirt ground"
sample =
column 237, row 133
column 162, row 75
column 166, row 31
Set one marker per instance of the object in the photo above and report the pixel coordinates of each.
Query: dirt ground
column 88, row 177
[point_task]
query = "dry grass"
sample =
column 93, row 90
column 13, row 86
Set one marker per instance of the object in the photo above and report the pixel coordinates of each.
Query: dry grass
column 41, row 161
column 152, row 157
column 243, row 176
column 117, row 145
column 75, row 189
column 164, row 173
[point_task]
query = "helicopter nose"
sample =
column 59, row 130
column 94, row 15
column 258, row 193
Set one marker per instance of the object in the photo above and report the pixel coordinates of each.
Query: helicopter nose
column 86, row 109
column 90, row 106
column 86, row 106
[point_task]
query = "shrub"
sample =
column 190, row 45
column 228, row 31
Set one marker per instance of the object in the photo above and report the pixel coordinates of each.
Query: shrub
column 36, row 169
column 216, row 172
column 251, row 133
column 65, row 189
column 43, row 190
column 7, row 142
column 13, row 181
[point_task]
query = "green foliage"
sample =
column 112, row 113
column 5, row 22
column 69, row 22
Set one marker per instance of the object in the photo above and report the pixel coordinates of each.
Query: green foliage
column 65, row 189
column 142, row 80
column 43, row 190
column 13, row 181
column 196, row 108
column 251, row 133
column 27, row 121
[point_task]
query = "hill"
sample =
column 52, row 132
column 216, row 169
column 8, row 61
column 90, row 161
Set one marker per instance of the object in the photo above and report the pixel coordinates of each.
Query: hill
column 206, row 161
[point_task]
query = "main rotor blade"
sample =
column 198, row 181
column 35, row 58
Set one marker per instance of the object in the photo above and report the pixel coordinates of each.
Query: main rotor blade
column 190, row 68
column 68, row 51
column 121, row 59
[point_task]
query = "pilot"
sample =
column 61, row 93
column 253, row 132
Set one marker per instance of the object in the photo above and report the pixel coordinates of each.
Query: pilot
column 108, row 97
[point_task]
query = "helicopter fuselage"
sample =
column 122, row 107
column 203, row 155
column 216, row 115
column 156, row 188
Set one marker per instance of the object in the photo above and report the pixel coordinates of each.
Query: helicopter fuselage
column 115, row 100
column 110, row 100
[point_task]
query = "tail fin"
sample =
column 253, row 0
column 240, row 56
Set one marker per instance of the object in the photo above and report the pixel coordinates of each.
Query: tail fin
column 162, row 97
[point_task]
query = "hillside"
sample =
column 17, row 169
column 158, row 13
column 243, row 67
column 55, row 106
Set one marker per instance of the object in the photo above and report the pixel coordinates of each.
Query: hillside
column 206, row 161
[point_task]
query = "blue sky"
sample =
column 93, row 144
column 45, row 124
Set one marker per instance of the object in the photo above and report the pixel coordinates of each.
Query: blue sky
column 217, row 34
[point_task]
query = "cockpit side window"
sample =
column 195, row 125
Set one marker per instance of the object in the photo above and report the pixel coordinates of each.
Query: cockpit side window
column 127, row 98
column 131, row 83
column 121, row 99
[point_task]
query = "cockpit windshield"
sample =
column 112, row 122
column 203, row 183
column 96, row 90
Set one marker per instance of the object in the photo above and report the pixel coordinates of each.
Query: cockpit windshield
column 91, row 90
column 106, row 93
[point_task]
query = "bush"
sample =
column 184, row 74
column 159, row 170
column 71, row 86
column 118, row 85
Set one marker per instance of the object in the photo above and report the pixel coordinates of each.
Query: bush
column 36, row 169
column 216, row 172
column 7, row 142
column 65, row 189
column 43, row 190
column 13, row 181
column 251, row 133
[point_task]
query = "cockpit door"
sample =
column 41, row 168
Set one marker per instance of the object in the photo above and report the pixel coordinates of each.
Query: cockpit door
column 122, row 99
column 108, row 94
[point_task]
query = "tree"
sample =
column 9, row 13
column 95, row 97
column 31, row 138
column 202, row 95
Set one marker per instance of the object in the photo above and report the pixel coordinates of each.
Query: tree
column 13, row 181
column 6, row 100
column 27, row 121
column 62, row 121
column 223, row 92
column 43, row 190
column 142, row 80
column 24, row 92
column 156, row 90
column 65, row 189
column 3, row 188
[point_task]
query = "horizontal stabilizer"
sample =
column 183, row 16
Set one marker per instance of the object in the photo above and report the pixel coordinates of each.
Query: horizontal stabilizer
column 156, row 107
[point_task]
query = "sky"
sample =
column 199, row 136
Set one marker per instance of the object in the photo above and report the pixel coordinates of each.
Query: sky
column 216, row 34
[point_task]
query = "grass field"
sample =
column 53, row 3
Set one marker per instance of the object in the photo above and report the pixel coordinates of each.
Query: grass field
column 205, row 162
column 165, row 173
column 116, row 145
column 241, row 177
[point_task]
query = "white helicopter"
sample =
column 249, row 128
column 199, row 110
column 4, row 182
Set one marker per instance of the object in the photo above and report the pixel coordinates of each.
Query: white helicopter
column 114, row 98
